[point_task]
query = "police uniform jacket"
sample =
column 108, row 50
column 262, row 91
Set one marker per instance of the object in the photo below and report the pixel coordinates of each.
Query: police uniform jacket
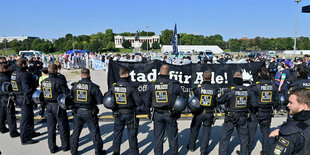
column 4, row 77
column 300, row 83
column 206, row 93
column 294, row 136
column 238, row 98
column 86, row 94
column 266, row 93
column 52, row 87
column 126, row 96
column 23, row 83
column 162, row 93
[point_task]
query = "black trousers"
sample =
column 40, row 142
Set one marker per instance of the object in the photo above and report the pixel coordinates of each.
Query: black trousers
column 56, row 115
column 264, row 124
column 80, row 118
column 202, row 118
column 132, row 124
column 26, row 121
column 165, row 122
column 242, row 131
column 7, row 112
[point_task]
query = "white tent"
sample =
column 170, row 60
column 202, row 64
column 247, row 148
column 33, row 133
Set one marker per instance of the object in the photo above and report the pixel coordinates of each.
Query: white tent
column 192, row 48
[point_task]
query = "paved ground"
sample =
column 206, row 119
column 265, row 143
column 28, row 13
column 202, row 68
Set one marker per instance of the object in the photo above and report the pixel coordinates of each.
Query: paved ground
column 9, row 146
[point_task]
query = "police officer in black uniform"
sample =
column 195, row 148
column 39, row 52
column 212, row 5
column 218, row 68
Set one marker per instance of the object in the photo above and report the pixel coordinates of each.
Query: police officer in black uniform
column 302, row 81
column 206, row 93
column 161, row 95
column 7, row 108
column 52, row 87
column 267, row 97
column 238, row 100
column 293, row 137
column 86, row 95
column 127, row 100
column 23, row 87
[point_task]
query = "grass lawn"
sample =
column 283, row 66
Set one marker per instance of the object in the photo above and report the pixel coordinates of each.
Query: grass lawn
column 8, row 52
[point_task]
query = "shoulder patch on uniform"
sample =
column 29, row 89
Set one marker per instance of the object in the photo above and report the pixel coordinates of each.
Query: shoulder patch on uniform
column 114, row 84
column 199, row 86
column 278, row 150
column 284, row 141
column 232, row 87
column 257, row 82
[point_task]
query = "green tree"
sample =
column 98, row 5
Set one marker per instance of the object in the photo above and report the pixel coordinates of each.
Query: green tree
column 110, row 47
column 126, row 44
column 144, row 45
column 155, row 45
column 234, row 45
column 166, row 37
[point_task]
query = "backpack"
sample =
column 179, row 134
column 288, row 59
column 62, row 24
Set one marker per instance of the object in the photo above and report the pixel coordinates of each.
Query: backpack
column 292, row 77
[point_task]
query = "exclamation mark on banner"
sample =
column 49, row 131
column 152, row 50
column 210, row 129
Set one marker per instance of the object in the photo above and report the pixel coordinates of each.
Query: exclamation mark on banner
column 225, row 76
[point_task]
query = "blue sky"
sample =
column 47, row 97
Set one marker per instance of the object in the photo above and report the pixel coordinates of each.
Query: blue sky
column 230, row 18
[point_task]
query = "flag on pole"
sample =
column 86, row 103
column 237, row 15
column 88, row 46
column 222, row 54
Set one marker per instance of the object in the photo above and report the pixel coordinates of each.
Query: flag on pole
column 175, row 40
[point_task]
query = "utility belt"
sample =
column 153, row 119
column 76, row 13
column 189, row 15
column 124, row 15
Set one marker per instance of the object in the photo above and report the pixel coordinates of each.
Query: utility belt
column 208, row 110
column 265, row 109
column 92, row 111
column 161, row 111
column 236, row 114
column 52, row 103
column 126, row 111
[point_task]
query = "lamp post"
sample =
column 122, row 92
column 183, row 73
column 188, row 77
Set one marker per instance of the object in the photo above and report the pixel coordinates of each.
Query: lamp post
column 147, row 38
column 295, row 41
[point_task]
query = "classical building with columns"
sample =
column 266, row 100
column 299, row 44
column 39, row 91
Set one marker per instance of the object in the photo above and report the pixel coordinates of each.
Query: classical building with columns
column 118, row 40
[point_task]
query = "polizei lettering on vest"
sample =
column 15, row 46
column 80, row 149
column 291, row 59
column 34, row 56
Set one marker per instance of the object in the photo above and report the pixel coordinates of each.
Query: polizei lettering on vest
column 241, row 93
column 206, row 92
column 82, row 86
column 306, row 84
column 161, row 87
column 120, row 89
column 266, row 88
column 47, row 84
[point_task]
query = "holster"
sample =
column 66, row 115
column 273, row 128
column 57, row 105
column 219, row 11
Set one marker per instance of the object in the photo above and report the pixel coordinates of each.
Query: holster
column 116, row 114
column 94, row 111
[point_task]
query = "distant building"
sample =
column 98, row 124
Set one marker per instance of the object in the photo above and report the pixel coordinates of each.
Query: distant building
column 18, row 38
column 118, row 40
column 193, row 48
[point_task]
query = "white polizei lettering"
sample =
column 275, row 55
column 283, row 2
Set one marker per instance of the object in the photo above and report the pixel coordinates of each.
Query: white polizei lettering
column 161, row 87
column 306, row 84
column 266, row 88
column 206, row 92
column 241, row 93
column 120, row 89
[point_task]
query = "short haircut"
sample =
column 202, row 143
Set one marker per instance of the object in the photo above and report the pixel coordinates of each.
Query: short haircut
column 207, row 75
column 123, row 71
column 85, row 72
column 303, row 71
column 2, row 59
column 52, row 69
column 44, row 70
column 301, row 59
column 303, row 96
column 58, row 64
column 164, row 70
column 20, row 62
column 3, row 67
column 263, row 72
column 238, row 75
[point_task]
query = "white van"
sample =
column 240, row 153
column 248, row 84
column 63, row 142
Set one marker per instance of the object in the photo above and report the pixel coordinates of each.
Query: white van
column 31, row 53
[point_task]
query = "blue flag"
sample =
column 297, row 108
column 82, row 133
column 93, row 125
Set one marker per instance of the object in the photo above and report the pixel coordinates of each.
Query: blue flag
column 175, row 40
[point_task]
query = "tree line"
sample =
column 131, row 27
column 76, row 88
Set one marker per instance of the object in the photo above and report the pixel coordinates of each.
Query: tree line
column 104, row 42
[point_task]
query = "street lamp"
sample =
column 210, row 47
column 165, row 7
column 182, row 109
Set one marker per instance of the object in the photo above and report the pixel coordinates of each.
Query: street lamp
column 295, row 41
column 147, row 38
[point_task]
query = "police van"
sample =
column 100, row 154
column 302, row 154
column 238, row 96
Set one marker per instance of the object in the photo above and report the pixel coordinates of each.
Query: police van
column 31, row 53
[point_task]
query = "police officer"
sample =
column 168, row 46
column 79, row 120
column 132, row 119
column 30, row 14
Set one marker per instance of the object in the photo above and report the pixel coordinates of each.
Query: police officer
column 127, row 100
column 86, row 95
column 52, row 87
column 273, row 68
column 206, row 93
column 7, row 108
column 238, row 100
column 266, row 97
column 161, row 95
column 283, row 86
column 23, row 87
column 293, row 137
column 302, row 81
